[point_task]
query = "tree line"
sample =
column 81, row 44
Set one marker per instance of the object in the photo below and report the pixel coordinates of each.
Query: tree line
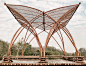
column 17, row 50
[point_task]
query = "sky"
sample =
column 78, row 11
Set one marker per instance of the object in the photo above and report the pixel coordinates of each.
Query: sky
column 76, row 26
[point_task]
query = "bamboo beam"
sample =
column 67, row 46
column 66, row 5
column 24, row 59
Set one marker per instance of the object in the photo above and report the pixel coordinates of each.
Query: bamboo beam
column 24, row 42
column 44, row 21
column 12, row 42
column 56, row 41
column 62, row 7
column 49, row 36
column 61, row 37
column 31, row 40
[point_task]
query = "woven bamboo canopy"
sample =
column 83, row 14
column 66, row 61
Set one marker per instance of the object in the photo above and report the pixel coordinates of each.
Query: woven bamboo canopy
column 53, row 20
column 40, row 19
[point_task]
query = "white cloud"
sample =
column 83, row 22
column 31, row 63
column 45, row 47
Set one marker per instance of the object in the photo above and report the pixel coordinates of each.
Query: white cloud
column 60, row 1
column 85, row 12
column 83, row 1
column 77, row 20
column 67, row 1
column 80, row 9
column 11, row 1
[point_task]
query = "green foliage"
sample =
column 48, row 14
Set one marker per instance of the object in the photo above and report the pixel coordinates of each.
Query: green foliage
column 57, row 53
column 49, row 52
column 83, row 52
column 14, row 50
column 28, row 50
column 17, row 49
column 3, row 48
column 37, row 52
column 20, row 46
column 53, row 51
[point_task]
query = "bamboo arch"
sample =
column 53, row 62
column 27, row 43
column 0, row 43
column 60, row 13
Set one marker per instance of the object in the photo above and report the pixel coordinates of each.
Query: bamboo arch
column 30, row 18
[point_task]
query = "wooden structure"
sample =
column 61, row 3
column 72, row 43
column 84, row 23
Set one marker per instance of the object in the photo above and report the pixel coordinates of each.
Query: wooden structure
column 77, row 59
column 53, row 20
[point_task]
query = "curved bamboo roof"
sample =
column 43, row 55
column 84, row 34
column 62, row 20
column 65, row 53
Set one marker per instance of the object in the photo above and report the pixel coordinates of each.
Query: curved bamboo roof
column 40, row 19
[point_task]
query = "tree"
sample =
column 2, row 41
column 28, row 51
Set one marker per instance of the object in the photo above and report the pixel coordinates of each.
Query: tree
column 82, row 51
column 20, row 46
column 3, row 48
column 49, row 53
column 37, row 52
column 33, row 50
column 56, row 53
column 28, row 50
column 14, row 50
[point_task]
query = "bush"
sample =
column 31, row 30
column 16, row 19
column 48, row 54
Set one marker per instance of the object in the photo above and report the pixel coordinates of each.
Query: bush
column 0, row 58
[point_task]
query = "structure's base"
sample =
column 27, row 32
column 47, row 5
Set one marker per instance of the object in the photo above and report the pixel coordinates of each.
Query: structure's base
column 80, row 62
column 78, row 59
column 7, row 59
column 43, row 60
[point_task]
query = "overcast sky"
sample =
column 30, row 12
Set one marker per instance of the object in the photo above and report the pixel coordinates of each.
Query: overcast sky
column 77, row 25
